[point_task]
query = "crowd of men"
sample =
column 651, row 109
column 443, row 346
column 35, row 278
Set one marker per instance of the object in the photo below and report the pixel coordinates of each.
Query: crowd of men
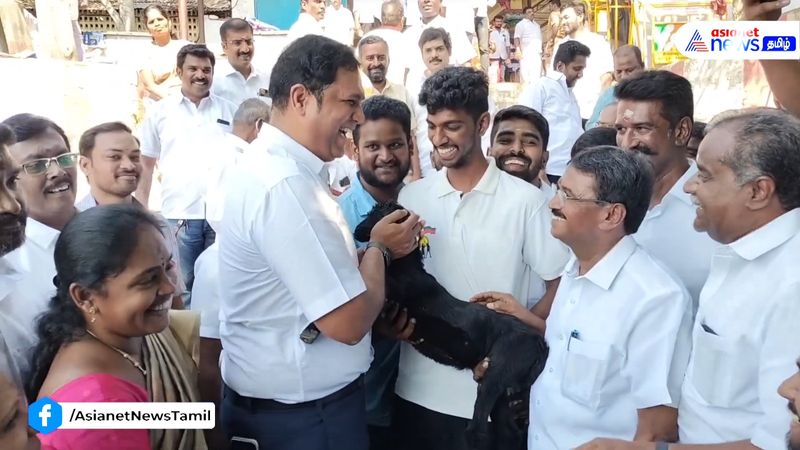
column 659, row 263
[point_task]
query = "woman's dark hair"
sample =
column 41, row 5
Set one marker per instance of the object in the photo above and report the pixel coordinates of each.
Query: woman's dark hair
column 94, row 246
column 163, row 12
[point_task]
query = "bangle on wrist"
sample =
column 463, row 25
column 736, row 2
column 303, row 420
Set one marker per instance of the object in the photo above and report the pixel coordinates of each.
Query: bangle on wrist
column 387, row 254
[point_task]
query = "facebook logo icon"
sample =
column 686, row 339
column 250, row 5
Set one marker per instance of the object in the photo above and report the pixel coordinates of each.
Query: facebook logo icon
column 44, row 415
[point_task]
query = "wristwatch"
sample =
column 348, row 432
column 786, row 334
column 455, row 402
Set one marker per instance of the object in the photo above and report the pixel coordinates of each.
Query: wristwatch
column 387, row 254
column 662, row 446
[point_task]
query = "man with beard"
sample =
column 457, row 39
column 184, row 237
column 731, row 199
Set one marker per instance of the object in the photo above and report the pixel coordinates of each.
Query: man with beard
column 654, row 117
column 46, row 181
column 744, row 342
column 373, row 52
column 790, row 390
column 182, row 135
column 488, row 231
column 237, row 78
column 12, row 235
column 310, row 21
column 501, row 58
column 391, row 31
column 384, row 150
column 553, row 96
column 575, row 25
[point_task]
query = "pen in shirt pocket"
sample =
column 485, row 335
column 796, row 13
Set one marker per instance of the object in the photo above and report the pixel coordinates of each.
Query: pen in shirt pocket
column 574, row 335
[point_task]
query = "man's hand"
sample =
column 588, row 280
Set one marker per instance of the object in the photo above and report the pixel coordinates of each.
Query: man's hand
column 755, row 10
column 395, row 323
column 479, row 371
column 500, row 302
column 616, row 444
column 399, row 232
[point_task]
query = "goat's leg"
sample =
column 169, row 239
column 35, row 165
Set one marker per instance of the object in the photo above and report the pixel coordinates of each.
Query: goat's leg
column 490, row 390
column 509, row 432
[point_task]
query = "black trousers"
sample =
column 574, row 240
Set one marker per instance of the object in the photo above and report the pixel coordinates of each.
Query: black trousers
column 418, row 428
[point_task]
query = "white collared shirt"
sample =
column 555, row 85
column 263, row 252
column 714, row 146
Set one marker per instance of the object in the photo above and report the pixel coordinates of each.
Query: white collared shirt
column 745, row 340
column 287, row 258
column 530, row 36
column 231, row 85
column 555, row 101
column 183, row 137
column 668, row 234
column 306, row 24
column 205, row 291
column 26, row 286
column 491, row 239
column 340, row 25
column 398, row 54
column 502, row 41
column 462, row 13
column 219, row 171
column 619, row 339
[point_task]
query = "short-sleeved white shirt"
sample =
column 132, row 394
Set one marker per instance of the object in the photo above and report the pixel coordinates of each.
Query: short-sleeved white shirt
column 668, row 234
column 491, row 239
column 287, row 258
column 619, row 339
column 745, row 340
column 462, row 50
column 306, row 24
column 530, row 36
column 184, row 138
column 26, row 286
column 231, row 85
column 205, row 291
column 339, row 25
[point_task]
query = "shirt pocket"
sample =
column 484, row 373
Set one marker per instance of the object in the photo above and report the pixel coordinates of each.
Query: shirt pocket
column 585, row 369
column 724, row 370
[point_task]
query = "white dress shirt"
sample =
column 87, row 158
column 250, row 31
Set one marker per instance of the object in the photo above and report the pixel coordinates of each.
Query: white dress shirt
column 668, row 234
column 339, row 25
column 502, row 41
column 287, row 258
column 556, row 102
column 398, row 54
column 184, row 138
column 529, row 34
column 745, row 340
column 306, row 24
column 489, row 239
column 461, row 13
column 26, row 286
column 205, row 291
column 619, row 339
column 231, row 85
column 219, row 171
column 482, row 7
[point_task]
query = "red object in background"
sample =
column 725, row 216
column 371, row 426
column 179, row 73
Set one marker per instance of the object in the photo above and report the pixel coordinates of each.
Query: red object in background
column 720, row 8
column 505, row 3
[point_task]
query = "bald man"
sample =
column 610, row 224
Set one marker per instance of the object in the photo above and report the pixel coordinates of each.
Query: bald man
column 627, row 64
column 391, row 31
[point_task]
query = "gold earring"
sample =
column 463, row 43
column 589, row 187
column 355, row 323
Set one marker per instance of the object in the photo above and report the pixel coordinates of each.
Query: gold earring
column 92, row 312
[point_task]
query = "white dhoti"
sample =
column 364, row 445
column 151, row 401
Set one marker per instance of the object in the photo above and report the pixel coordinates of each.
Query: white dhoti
column 531, row 66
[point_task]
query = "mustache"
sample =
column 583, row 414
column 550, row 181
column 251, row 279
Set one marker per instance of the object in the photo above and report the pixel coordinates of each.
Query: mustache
column 792, row 408
column 645, row 150
column 434, row 60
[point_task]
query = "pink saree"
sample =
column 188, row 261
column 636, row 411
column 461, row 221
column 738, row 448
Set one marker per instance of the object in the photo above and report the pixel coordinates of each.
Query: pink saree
column 98, row 388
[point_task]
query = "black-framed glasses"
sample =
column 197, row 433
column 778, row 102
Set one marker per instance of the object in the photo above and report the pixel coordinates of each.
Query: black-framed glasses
column 40, row 166
column 564, row 197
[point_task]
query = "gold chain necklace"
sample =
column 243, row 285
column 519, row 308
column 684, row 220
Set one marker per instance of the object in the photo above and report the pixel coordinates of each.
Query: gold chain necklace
column 121, row 352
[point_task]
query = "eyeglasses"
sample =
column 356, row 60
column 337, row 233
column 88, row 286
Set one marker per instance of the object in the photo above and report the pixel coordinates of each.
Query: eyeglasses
column 564, row 197
column 40, row 166
column 238, row 42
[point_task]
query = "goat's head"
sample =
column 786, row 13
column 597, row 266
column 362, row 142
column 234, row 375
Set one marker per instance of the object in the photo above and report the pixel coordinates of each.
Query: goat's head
column 379, row 211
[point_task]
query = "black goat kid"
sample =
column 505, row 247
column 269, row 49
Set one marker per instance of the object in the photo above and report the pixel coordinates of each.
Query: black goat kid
column 461, row 334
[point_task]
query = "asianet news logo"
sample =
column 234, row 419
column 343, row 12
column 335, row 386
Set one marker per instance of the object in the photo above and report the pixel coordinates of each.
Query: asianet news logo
column 739, row 40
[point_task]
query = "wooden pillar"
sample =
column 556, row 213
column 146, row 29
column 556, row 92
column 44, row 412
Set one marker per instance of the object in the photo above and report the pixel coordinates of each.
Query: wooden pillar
column 201, row 22
column 183, row 20
column 58, row 38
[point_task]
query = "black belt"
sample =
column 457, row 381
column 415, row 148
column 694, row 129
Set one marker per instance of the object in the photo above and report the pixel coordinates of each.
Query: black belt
column 272, row 405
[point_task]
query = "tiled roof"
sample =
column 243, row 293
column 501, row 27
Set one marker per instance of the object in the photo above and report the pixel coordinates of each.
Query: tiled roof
column 96, row 5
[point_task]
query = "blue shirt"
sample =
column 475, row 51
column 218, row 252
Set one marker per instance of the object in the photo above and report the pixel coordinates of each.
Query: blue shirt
column 606, row 98
column 356, row 203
